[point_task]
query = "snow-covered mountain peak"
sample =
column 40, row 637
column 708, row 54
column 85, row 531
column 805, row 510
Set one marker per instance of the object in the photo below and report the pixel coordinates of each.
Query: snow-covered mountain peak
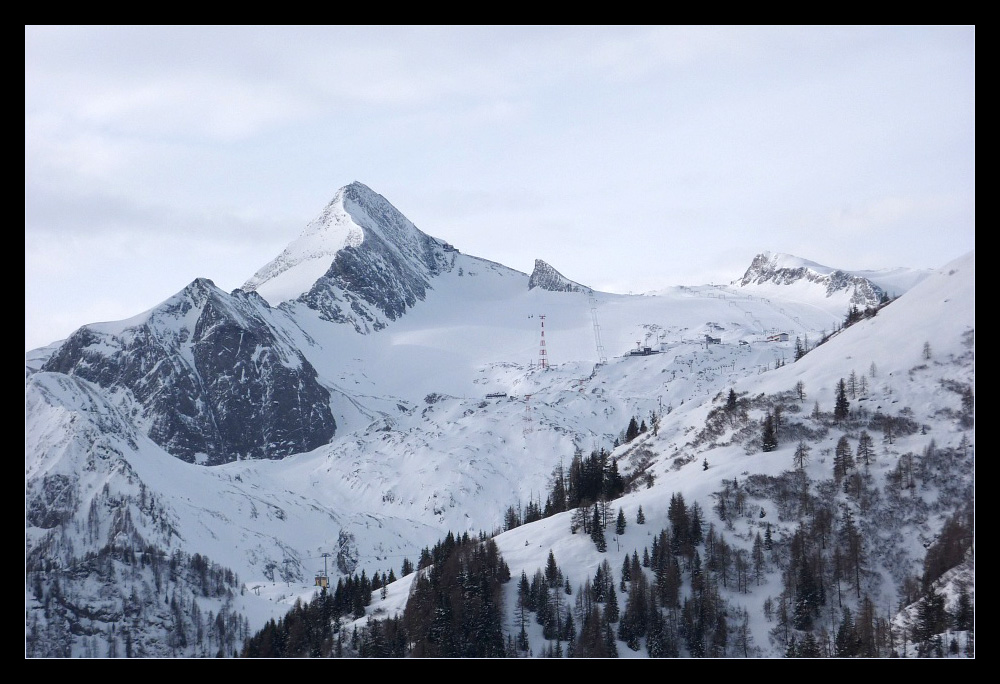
column 309, row 256
column 547, row 278
column 768, row 270
column 779, row 267
column 359, row 262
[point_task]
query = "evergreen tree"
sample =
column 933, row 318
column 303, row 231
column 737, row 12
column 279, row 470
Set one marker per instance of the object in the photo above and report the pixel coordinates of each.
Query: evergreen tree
column 620, row 523
column 695, row 523
column 965, row 616
column 768, row 435
column 853, row 550
column 846, row 643
column 810, row 648
column 932, row 618
column 557, row 497
column 610, row 644
column 640, row 517
column 841, row 406
column 843, row 461
column 551, row 570
column 597, row 531
column 633, row 430
column 611, row 609
column 806, row 597
column 758, row 559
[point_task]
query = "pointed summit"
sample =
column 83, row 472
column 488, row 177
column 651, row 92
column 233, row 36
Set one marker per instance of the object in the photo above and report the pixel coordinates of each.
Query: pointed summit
column 547, row 278
column 309, row 256
column 360, row 261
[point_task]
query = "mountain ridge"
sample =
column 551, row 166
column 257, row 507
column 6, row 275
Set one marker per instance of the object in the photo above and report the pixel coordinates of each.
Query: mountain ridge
column 862, row 289
column 437, row 422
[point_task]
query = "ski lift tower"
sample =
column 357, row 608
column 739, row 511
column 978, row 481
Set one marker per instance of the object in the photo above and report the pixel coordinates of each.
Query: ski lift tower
column 543, row 359
column 601, row 358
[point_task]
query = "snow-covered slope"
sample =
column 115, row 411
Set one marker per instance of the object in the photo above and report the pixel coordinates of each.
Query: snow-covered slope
column 439, row 419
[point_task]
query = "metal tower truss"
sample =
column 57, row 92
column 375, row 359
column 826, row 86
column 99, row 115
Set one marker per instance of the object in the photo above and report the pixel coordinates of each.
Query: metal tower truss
column 601, row 358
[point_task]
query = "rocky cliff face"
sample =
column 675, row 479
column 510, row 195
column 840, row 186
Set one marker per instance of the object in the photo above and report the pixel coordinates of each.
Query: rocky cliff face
column 544, row 277
column 360, row 262
column 216, row 377
column 782, row 269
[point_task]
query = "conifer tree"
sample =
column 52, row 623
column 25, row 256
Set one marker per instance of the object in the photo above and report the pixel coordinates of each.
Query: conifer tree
column 843, row 461
column 768, row 435
column 611, row 609
column 841, row 406
column 620, row 523
column 633, row 430
column 551, row 569
column 610, row 644
column 597, row 530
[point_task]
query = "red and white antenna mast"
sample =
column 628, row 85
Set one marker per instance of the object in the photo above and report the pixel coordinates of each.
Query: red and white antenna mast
column 543, row 359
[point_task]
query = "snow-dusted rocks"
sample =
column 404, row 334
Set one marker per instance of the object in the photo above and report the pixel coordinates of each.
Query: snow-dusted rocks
column 784, row 269
column 360, row 262
column 443, row 420
column 547, row 278
column 214, row 373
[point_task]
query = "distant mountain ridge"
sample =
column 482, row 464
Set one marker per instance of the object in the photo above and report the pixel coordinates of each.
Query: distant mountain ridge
column 785, row 269
column 372, row 388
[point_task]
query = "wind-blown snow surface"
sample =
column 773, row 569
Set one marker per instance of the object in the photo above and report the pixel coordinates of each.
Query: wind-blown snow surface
column 422, row 449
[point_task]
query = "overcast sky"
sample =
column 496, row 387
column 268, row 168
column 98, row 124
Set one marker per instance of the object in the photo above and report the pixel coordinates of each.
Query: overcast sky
column 629, row 158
